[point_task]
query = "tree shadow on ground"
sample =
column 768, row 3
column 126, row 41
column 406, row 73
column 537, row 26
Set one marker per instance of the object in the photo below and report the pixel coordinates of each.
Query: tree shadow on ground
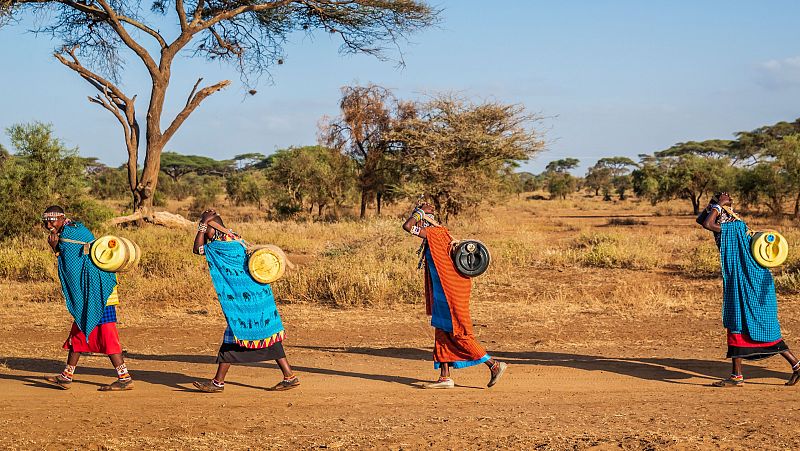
column 390, row 352
column 664, row 369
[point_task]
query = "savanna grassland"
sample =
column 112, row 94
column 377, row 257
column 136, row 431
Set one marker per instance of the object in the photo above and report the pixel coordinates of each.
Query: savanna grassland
column 607, row 312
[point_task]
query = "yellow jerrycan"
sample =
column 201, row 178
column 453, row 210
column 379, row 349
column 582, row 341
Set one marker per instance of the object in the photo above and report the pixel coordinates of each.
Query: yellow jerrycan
column 769, row 248
column 266, row 263
column 115, row 253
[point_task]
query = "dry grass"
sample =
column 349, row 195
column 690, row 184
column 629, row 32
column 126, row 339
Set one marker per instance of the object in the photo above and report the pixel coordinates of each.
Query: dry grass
column 373, row 263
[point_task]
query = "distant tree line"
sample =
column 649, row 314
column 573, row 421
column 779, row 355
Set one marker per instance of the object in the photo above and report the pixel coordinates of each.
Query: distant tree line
column 761, row 166
column 378, row 150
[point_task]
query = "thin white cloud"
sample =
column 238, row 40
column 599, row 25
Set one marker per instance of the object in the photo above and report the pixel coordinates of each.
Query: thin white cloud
column 780, row 73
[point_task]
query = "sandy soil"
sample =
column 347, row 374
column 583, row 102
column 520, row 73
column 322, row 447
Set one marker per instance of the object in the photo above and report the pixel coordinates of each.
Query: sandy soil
column 579, row 380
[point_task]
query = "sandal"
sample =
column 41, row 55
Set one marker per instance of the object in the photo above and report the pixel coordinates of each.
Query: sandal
column 286, row 384
column 794, row 378
column 728, row 383
column 118, row 385
column 208, row 386
column 59, row 381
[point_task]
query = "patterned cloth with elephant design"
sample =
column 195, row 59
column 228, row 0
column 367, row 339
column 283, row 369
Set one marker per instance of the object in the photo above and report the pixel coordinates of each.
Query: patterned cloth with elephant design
column 249, row 306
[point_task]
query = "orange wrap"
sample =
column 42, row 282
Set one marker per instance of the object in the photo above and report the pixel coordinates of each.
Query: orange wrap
column 449, row 348
column 461, row 344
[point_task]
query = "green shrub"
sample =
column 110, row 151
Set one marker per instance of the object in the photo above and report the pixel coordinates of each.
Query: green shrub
column 42, row 172
column 110, row 183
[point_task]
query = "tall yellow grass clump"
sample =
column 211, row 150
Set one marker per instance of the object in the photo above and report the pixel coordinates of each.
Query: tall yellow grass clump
column 609, row 250
column 537, row 249
column 27, row 260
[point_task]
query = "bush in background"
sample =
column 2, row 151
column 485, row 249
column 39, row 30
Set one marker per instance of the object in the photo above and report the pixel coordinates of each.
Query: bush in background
column 42, row 172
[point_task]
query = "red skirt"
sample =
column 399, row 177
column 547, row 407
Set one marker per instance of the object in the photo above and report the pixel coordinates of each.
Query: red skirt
column 104, row 339
column 742, row 346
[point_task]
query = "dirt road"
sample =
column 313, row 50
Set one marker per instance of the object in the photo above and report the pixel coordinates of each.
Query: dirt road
column 583, row 381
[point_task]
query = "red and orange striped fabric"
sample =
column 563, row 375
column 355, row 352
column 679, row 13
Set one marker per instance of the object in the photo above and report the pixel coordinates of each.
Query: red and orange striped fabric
column 456, row 287
column 449, row 348
column 460, row 345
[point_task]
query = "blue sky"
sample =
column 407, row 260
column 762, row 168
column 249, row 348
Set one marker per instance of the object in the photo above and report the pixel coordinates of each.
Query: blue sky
column 612, row 78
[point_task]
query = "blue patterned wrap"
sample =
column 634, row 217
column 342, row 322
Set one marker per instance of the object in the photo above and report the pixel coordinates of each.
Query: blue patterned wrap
column 749, row 304
column 249, row 306
column 86, row 287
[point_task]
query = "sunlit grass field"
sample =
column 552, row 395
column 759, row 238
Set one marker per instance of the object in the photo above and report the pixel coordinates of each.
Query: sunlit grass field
column 636, row 257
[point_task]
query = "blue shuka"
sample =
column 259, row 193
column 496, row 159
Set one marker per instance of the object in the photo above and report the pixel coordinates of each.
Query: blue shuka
column 86, row 287
column 440, row 310
column 749, row 304
column 249, row 306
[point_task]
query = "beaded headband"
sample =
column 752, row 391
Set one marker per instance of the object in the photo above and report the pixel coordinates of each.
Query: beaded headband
column 52, row 215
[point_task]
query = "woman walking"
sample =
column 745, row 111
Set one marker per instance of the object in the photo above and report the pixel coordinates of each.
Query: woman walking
column 749, row 304
column 255, row 332
column 447, row 295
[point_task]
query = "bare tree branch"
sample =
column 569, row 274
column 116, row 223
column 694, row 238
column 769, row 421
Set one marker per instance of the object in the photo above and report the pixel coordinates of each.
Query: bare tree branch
column 194, row 89
column 198, row 12
column 96, row 80
column 107, row 105
column 115, row 101
column 180, row 9
column 193, row 102
column 141, row 52
column 233, row 48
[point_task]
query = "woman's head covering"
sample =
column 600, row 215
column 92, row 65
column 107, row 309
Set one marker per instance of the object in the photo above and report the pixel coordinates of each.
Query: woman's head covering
column 53, row 212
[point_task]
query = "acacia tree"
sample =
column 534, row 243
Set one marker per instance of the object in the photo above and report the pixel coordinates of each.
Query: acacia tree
column 619, row 170
column 97, row 35
column 765, row 181
column 459, row 152
column 647, row 179
column 563, row 165
column 776, row 176
column 687, row 176
column 176, row 165
column 695, row 168
column 312, row 175
column 245, row 161
column 599, row 178
column 559, row 181
column 750, row 145
column 362, row 132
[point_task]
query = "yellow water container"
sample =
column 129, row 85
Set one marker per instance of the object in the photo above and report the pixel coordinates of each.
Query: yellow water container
column 136, row 255
column 769, row 248
column 114, row 253
column 266, row 263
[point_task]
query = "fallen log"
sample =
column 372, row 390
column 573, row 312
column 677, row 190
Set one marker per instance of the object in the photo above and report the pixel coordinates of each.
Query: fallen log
column 161, row 218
